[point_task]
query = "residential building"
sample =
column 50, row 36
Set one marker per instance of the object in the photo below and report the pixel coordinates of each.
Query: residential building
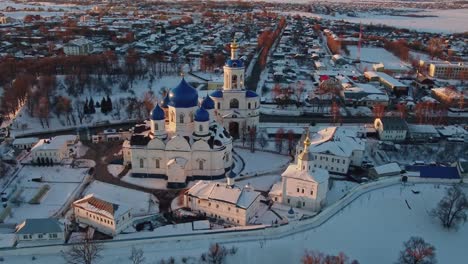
column 79, row 46
column 448, row 70
column 224, row 201
column 335, row 149
column 389, row 82
column 302, row 184
column 106, row 217
column 38, row 229
column 24, row 143
column 359, row 94
column 424, row 133
column 450, row 96
column 391, row 128
column 53, row 150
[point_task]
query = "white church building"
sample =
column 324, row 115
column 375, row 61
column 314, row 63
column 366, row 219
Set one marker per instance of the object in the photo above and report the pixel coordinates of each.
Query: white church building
column 185, row 139
column 236, row 108
column 302, row 185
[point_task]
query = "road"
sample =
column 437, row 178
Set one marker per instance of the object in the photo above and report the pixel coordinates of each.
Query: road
column 103, row 154
column 353, row 119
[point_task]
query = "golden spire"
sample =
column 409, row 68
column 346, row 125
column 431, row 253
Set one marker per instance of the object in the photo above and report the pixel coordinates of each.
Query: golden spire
column 307, row 141
column 234, row 44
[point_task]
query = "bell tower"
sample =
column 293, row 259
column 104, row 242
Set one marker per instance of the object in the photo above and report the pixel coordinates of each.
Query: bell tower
column 234, row 70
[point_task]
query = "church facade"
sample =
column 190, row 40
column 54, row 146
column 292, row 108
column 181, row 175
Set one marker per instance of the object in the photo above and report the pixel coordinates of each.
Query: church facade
column 302, row 185
column 189, row 139
column 181, row 142
column 236, row 108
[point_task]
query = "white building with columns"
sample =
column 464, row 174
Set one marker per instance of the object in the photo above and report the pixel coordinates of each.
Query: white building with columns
column 236, row 108
column 181, row 142
column 302, row 185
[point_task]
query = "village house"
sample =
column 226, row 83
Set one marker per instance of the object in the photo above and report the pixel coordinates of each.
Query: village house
column 24, row 143
column 224, row 201
column 106, row 217
column 335, row 149
column 53, row 150
column 391, row 128
column 48, row 229
column 79, row 46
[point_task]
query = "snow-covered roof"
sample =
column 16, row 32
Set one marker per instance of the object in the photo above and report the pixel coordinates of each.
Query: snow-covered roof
column 99, row 206
column 339, row 141
column 313, row 175
column 28, row 140
column 388, row 168
column 241, row 197
column 54, row 143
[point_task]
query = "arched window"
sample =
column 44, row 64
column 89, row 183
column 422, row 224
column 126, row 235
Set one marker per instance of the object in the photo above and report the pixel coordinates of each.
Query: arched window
column 172, row 116
column 219, row 105
column 181, row 118
column 234, row 81
column 191, row 116
column 200, row 128
column 156, row 127
column 234, row 103
column 249, row 105
column 142, row 163
column 157, row 163
column 200, row 164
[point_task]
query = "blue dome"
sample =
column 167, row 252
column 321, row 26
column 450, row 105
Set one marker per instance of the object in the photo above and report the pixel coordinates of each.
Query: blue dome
column 165, row 101
column 157, row 113
column 183, row 96
column 208, row 103
column 201, row 115
column 217, row 94
column 291, row 211
column 235, row 63
column 231, row 174
column 250, row 94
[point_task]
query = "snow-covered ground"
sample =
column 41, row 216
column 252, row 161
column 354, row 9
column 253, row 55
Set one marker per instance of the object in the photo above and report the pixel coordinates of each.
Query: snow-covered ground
column 376, row 55
column 261, row 183
column 261, row 162
column 371, row 229
column 63, row 183
column 447, row 21
column 115, row 169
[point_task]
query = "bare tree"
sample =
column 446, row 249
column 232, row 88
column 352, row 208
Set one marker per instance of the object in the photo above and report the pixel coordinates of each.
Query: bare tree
column 451, row 210
column 79, row 108
column 316, row 257
column 417, row 251
column 85, row 252
column 217, row 254
column 137, row 256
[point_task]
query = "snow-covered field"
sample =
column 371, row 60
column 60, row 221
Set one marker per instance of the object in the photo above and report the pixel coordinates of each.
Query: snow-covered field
column 63, row 183
column 371, row 229
column 261, row 162
column 376, row 55
column 447, row 21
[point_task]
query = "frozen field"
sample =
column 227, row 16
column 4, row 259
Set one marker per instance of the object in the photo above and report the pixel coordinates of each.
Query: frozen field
column 447, row 21
column 376, row 55
column 371, row 229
